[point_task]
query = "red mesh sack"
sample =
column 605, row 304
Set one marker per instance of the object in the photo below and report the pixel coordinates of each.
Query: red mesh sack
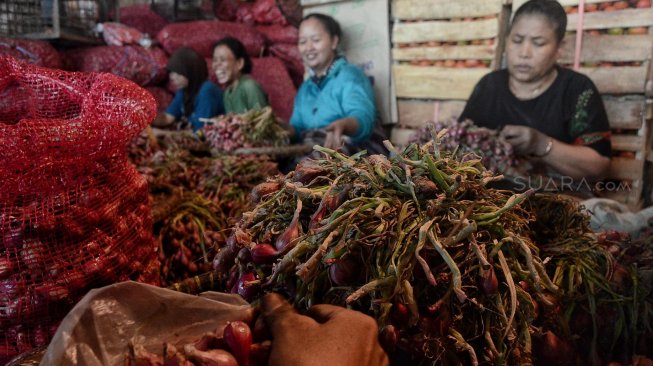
column 245, row 15
column 144, row 66
column 116, row 34
column 74, row 213
column 39, row 53
column 227, row 9
column 279, row 33
column 267, row 12
column 200, row 35
column 162, row 97
column 143, row 18
column 271, row 73
column 290, row 54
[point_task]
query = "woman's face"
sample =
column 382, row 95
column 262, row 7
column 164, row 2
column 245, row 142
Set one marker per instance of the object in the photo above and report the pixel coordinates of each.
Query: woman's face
column 532, row 48
column 225, row 66
column 317, row 47
column 179, row 80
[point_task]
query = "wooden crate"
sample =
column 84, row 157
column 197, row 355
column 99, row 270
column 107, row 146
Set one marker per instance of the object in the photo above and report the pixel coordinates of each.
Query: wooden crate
column 441, row 48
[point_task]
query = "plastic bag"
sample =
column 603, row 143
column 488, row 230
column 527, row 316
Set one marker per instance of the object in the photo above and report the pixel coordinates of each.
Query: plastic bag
column 98, row 330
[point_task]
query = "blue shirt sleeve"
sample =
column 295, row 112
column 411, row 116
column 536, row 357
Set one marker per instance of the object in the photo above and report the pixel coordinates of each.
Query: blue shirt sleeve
column 175, row 107
column 296, row 118
column 208, row 103
column 358, row 102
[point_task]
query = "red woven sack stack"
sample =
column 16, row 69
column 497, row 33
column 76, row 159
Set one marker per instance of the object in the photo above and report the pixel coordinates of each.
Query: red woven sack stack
column 74, row 213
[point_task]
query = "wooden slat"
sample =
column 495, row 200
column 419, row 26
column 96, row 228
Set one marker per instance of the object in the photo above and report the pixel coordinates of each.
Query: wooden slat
column 625, row 112
column 517, row 3
column 623, row 168
column 628, row 143
column 416, row 113
column 435, row 82
column 443, row 9
column 609, row 48
column 445, row 31
column 618, row 79
column 481, row 52
column 613, row 19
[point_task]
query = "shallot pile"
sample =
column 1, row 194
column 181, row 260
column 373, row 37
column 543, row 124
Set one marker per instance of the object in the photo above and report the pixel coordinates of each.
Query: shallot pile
column 464, row 137
column 451, row 269
column 195, row 199
column 256, row 128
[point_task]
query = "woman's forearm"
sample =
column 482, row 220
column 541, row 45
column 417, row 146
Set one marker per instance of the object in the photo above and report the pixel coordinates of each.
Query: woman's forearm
column 576, row 161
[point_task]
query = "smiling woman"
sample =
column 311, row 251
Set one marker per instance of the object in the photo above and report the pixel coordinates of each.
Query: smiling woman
column 553, row 116
column 336, row 103
column 232, row 65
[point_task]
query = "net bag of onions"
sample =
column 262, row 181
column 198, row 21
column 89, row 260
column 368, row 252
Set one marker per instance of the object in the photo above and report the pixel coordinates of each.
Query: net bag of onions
column 74, row 214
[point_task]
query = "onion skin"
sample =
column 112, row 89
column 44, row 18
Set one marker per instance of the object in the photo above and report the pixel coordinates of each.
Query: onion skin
column 248, row 293
column 214, row 357
column 306, row 171
column 210, row 341
column 489, row 283
column 400, row 314
column 287, row 239
column 264, row 254
column 553, row 350
column 264, row 189
column 344, row 271
column 224, row 259
column 238, row 337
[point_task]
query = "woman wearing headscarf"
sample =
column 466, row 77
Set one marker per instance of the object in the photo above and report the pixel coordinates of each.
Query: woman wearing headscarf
column 196, row 97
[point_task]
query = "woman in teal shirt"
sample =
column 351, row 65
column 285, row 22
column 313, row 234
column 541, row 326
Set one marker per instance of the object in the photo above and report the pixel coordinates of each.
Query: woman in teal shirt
column 232, row 66
column 337, row 97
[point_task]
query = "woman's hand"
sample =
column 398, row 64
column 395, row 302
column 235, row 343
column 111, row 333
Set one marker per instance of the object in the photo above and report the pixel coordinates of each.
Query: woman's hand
column 330, row 335
column 163, row 119
column 337, row 128
column 525, row 140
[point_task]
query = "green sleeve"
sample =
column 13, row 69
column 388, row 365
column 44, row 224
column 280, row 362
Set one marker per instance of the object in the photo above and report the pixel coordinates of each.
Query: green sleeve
column 255, row 96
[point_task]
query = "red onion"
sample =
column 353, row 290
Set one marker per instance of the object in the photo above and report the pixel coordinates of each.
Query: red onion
column 288, row 238
column 344, row 271
column 400, row 314
column 389, row 338
column 248, row 291
column 264, row 189
column 264, row 254
column 239, row 339
column 489, row 282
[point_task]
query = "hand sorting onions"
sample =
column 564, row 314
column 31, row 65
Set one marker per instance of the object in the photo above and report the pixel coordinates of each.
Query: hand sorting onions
column 326, row 335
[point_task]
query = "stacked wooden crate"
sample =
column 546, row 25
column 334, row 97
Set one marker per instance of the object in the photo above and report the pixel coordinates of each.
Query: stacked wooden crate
column 616, row 51
column 440, row 50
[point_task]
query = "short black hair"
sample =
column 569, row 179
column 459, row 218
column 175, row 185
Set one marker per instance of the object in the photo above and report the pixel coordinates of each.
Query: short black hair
column 331, row 25
column 239, row 51
column 550, row 9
